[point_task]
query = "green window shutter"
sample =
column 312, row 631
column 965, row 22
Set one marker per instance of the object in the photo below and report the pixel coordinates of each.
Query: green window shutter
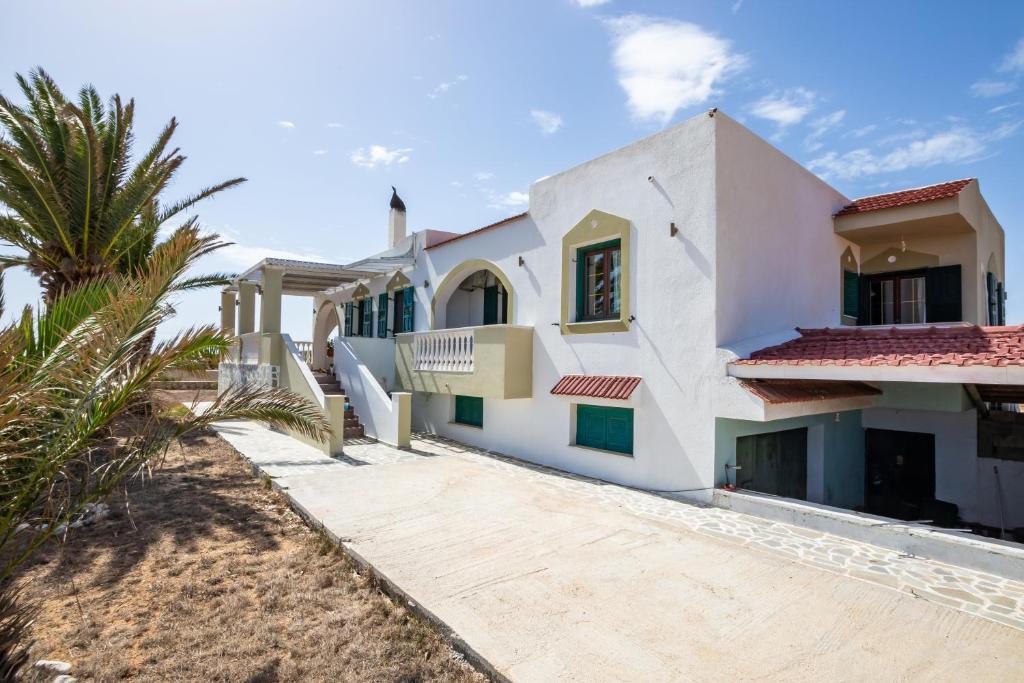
column 942, row 295
column 408, row 308
column 605, row 427
column 348, row 319
column 581, row 283
column 851, row 294
column 366, row 316
column 993, row 298
column 1001, row 293
column 382, row 315
column 491, row 305
column 469, row 410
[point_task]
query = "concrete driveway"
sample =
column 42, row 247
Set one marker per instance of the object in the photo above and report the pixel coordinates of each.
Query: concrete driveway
column 551, row 577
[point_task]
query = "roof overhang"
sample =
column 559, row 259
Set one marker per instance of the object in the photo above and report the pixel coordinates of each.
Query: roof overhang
column 307, row 278
column 948, row 374
column 938, row 217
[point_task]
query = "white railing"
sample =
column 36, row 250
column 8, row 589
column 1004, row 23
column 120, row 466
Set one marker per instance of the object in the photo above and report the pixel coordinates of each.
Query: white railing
column 444, row 350
column 305, row 349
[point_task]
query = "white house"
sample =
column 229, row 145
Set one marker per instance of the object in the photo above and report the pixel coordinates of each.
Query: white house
column 690, row 313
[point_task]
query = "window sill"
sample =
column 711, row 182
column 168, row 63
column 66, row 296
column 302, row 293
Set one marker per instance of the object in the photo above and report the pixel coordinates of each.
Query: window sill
column 465, row 424
column 602, row 450
column 596, row 326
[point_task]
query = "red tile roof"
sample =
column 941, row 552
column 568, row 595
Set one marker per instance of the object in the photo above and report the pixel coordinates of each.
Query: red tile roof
column 804, row 390
column 596, row 386
column 904, row 197
column 960, row 345
column 498, row 224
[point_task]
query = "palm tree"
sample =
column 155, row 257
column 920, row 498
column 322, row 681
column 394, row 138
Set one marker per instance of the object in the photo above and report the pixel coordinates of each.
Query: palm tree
column 76, row 205
column 72, row 380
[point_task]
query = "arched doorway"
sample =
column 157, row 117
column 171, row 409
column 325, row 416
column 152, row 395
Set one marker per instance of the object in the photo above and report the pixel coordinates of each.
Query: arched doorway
column 474, row 293
column 325, row 328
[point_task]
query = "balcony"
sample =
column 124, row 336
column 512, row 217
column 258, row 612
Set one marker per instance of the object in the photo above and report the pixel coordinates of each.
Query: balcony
column 489, row 361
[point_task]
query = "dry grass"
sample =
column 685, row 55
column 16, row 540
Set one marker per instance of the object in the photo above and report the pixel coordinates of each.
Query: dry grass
column 206, row 574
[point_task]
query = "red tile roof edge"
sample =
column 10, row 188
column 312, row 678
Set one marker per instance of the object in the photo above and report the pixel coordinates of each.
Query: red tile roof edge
column 915, row 195
column 960, row 345
column 497, row 224
column 618, row 387
column 781, row 391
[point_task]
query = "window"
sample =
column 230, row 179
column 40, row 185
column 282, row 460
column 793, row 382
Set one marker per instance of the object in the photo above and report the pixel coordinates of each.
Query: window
column 366, row 317
column 405, row 304
column 348, row 319
column 605, row 427
column 598, row 281
column 896, row 299
column 469, row 410
column 382, row 315
column 851, row 294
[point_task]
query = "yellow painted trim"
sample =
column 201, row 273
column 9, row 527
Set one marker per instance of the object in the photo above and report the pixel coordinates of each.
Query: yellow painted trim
column 360, row 292
column 398, row 281
column 460, row 272
column 597, row 226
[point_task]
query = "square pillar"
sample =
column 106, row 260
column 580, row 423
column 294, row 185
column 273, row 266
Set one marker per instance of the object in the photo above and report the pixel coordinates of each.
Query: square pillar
column 270, row 300
column 246, row 307
column 227, row 312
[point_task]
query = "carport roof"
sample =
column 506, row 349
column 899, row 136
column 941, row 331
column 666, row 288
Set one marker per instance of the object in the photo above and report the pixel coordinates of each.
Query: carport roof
column 310, row 277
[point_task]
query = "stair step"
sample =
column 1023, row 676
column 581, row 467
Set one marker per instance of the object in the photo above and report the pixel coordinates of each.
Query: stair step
column 354, row 432
column 182, row 384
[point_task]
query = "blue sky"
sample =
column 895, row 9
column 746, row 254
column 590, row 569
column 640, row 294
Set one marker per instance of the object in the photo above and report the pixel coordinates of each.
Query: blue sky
column 324, row 105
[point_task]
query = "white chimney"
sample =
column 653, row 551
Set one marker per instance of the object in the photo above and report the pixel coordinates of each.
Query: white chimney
column 396, row 219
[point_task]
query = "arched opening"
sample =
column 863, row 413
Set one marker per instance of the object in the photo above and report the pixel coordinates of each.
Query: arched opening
column 325, row 328
column 475, row 293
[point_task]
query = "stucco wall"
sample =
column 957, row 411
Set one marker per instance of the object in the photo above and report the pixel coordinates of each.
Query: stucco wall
column 777, row 254
column 670, row 344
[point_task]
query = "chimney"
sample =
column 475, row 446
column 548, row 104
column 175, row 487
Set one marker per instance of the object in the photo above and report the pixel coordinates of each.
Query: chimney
column 396, row 219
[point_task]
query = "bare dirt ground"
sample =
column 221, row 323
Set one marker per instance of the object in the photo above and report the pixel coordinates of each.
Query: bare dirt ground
column 204, row 573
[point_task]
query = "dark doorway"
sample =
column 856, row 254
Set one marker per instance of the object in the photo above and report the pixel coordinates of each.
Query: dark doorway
column 774, row 463
column 900, row 471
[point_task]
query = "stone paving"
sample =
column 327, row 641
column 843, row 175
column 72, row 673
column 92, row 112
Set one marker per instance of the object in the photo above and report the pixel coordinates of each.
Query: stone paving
column 991, row 597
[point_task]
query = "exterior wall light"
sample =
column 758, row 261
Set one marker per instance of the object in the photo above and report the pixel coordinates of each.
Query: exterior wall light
column 672, row 230
column 522, row 262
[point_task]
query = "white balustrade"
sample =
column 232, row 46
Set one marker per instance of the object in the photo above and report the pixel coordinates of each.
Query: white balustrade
column 305, row 349
column 444, row 350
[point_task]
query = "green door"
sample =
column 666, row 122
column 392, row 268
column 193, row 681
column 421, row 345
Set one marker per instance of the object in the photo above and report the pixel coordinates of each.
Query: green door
column 604, row 427
column 469, row 410
column 774, row 463
column 491, row 305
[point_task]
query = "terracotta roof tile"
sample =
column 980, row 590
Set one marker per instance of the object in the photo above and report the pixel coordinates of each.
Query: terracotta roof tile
column 904, row 197
column 497, row 224
column 804, row 390
column 596, row 386
column 961, row 345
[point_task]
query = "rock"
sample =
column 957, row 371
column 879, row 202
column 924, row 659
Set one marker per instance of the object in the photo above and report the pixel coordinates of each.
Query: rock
column 64, row 678
column 54, row 666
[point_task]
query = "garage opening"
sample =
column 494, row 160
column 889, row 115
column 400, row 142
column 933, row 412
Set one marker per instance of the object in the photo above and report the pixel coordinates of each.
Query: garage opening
column 900, row 477
column 774, row 463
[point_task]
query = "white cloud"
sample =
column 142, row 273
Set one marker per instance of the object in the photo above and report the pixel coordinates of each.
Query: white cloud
column 992, row 88
column 378, row 155
column 592, row 3
column 286, row 124
column 483, row 175
column 736, row 6
column 1014, row 61
column 548, row 122
column 820, row 126
column 666, row 65
column 445, row 86
column 786, row 108
column 334, row 124
column 242, row 256
column 508, row 200
column 862, row 131
column 950, row 146
column 1003, row 107
column 319, row 152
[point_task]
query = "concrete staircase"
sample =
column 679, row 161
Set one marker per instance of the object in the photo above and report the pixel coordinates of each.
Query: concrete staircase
column 331, row 387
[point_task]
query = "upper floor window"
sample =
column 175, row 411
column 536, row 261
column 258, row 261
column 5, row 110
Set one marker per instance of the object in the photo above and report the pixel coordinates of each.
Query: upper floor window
column 405, row 307
column 598, row 281
column 897, row 299
column 924, row 295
